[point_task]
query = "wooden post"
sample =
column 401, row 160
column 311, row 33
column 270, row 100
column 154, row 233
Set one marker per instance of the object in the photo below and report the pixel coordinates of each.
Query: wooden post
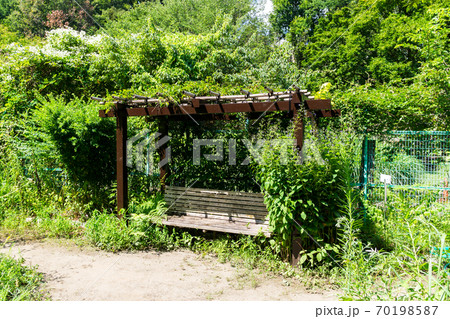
column 164, row 171
column 299, row 122
column 299, row 131
column 121, row 149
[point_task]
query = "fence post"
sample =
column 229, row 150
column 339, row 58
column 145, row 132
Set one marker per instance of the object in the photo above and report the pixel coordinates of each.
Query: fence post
column 366, row 166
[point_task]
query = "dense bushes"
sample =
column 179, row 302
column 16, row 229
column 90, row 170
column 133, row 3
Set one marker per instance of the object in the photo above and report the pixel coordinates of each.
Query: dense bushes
column 395, row 246
column 387, row 108
column 83, row 141
column 34, row 17
column 108, row 232
column 385, row 64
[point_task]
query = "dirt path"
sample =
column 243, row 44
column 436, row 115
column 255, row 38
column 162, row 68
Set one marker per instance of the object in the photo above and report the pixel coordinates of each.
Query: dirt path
column 74, row 273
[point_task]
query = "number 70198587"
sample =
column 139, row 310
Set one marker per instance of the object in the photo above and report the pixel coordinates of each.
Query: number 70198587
column 406, row 310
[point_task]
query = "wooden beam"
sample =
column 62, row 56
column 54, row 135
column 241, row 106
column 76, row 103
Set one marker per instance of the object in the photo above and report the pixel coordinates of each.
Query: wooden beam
column 204, row 117
column 296, row 246
column 323, row 113
column 204, row 109
column 213, row 112
column 318, row 104
column 215, row 117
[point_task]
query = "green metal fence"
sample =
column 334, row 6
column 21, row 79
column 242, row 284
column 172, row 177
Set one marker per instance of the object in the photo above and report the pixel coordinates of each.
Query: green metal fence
column 418, row 164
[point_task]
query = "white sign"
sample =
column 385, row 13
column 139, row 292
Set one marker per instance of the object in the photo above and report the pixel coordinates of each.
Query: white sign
column 387, row 179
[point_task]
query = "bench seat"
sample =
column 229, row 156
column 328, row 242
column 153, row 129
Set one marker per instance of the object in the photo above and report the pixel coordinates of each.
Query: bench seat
column 217, row 210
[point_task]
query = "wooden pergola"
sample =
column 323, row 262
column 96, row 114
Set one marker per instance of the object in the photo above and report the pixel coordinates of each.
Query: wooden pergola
column 295, row 103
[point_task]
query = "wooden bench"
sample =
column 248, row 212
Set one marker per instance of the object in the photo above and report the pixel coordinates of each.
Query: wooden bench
column 217, row 210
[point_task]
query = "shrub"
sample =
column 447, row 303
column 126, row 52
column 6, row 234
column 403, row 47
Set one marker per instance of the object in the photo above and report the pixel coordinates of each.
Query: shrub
column 84, row 142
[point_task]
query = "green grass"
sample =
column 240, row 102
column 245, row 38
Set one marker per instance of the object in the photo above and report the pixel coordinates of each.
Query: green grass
column 392, row 259
column 108, row 232
column 18, row 282
column 42, row 225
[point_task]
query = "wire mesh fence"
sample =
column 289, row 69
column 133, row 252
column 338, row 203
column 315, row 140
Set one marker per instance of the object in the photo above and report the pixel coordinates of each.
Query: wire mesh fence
column 416, row 162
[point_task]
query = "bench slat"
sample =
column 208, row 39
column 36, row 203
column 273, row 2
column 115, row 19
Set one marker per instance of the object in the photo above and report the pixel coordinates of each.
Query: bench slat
column 216, row 225
column 217, row 196
column 211, row 213
column 256, row 203
column 217, row 210
column 237, row 208
column 215, row 215
column 214, row 191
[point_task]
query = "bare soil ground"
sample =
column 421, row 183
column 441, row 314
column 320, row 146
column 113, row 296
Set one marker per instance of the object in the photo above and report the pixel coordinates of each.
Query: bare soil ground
column 74, row 273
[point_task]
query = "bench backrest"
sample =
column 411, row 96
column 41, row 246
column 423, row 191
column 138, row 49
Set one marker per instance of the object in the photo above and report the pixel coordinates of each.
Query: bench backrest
column 239, row 207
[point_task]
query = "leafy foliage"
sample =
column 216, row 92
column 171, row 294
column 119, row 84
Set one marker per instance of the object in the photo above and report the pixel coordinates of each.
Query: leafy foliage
column 307, row 192
column 35, row 17
column 6, row 7
column 81, row 139
column 18, row 282
column 407, row 249
column 376, row 55
column 70, row 65
column 186, row 16
column 301, row 15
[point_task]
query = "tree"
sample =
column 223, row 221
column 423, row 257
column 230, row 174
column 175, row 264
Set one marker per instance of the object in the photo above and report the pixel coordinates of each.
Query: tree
column 6, row 7
column 101, row 5
column 284, row 12
column 29, row 17
column 188, row 16
column 77, row 17
column 303, row 12
column 358, row 41
column 35, row 17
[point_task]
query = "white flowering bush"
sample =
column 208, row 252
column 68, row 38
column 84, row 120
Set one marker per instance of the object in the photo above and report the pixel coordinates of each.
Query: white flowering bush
column 69, row 40
column 71, row 63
